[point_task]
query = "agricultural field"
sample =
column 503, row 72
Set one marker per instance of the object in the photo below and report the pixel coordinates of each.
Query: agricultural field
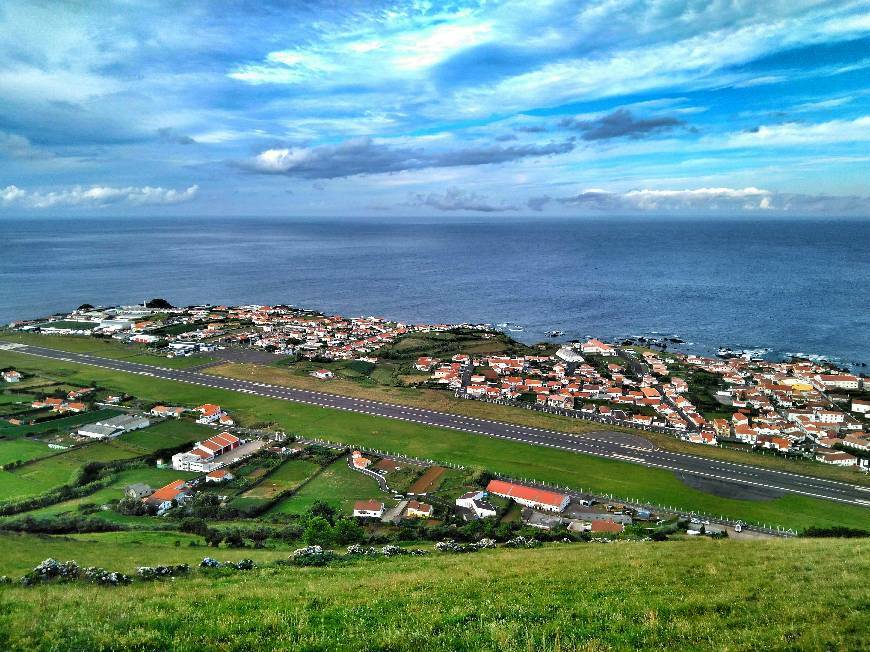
column 509, row 458
column 16, row 450
column 336, row 485
column 798, row 594
column 288, row 476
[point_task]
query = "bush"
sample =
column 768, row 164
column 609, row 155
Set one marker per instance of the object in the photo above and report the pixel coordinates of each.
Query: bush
column 135, row 507
column 522, row 542
column 101, row 576
column 158, row 572
column 312, row 556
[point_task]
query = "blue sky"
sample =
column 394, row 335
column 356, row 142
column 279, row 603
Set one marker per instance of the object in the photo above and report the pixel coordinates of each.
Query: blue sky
column 425, row 108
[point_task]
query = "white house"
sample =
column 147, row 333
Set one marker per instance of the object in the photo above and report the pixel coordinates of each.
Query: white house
column 219, row 475
column 838, row 458
column 838, row 381
column 597, row 347
column 323, row 374
column 860, row 406
column 476, row 503
column 368, row 509
column 12, row 376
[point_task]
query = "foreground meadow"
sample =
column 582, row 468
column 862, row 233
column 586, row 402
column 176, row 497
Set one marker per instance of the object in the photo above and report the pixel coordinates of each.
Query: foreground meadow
column 725, row 595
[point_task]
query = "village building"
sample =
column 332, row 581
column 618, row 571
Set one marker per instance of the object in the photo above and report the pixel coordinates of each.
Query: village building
column 165, row 498
column 201, row 458
column 529, row 496
column 113, row 427
column 368, row 509
column 417, row 509
column 475, row 504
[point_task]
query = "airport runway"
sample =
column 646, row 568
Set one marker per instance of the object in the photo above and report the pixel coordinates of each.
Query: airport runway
column 738, row 479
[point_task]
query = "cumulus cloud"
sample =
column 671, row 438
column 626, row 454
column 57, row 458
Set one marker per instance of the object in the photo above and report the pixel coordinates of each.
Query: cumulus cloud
column 620, row 123
column 456, row 199
column 708, row 200
column 96, row 196
column 364, row 156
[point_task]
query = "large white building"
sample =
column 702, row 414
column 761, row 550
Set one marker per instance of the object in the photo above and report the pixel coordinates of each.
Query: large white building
column 838, row 381
column 201, row 458
column 110, row 428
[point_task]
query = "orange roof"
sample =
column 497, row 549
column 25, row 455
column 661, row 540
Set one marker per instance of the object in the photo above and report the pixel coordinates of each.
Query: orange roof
column 169, row 492
column 606, row 526
column 368, row 505
column 511, row 490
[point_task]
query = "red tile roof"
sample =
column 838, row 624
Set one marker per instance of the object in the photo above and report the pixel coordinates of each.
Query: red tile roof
column 511, row 490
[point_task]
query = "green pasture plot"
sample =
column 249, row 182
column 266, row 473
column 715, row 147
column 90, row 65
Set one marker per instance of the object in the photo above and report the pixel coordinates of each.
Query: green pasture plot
column 336, row 485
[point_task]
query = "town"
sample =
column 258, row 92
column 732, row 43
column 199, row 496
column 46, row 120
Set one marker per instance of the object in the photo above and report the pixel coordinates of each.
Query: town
column 797, row 407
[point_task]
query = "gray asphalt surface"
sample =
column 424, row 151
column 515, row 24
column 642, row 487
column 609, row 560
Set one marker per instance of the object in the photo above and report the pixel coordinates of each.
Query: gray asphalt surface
column 756, row 482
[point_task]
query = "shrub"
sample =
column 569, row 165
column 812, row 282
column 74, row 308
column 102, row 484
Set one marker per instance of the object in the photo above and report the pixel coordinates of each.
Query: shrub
column 208, row 562
column 157, row 572
column 101, row 576
column 312, row 556
column 522, row 542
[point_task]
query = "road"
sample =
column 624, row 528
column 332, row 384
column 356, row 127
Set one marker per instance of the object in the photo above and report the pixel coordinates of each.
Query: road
column 736, row 478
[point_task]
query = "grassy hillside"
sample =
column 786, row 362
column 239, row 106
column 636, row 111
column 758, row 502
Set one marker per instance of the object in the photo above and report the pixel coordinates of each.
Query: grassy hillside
column 519, row 460
column 798, row 594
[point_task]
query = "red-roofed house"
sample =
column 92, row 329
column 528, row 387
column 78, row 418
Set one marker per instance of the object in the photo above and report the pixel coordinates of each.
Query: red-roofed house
column 175, row 492
column 529, row 496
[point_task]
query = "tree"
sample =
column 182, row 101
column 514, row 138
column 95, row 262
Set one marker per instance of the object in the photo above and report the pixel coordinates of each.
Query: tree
column 259, row 536
column 322, row 509
column 213, row 537
column 85, row 306
column 347, row 531
column 317, row 531
column 159, row 304
column 234, row 539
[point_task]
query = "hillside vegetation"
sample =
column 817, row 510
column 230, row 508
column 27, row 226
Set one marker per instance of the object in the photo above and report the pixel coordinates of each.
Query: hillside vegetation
column 797, row 594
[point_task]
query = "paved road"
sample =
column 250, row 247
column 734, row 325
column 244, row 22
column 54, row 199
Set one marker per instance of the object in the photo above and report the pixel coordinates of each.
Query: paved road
column 754, row 480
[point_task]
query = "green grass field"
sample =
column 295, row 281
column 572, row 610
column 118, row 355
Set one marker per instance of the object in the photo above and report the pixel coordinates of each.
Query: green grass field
column 518, row 460
column 287, row 476
column 44, row 474
column 106, row 348
column 338, row 486
column 166, row 434
column 22, row 449
column 782, row 595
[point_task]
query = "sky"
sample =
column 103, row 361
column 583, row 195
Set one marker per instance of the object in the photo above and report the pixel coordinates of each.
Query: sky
column 516, row 108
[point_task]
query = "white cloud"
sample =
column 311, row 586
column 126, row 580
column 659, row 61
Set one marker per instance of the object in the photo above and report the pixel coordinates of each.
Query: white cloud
column 798, row 133
column 712, row 200
column 96, row 196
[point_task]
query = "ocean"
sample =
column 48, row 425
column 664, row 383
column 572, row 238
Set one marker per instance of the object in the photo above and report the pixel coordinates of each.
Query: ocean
column 799, row 286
